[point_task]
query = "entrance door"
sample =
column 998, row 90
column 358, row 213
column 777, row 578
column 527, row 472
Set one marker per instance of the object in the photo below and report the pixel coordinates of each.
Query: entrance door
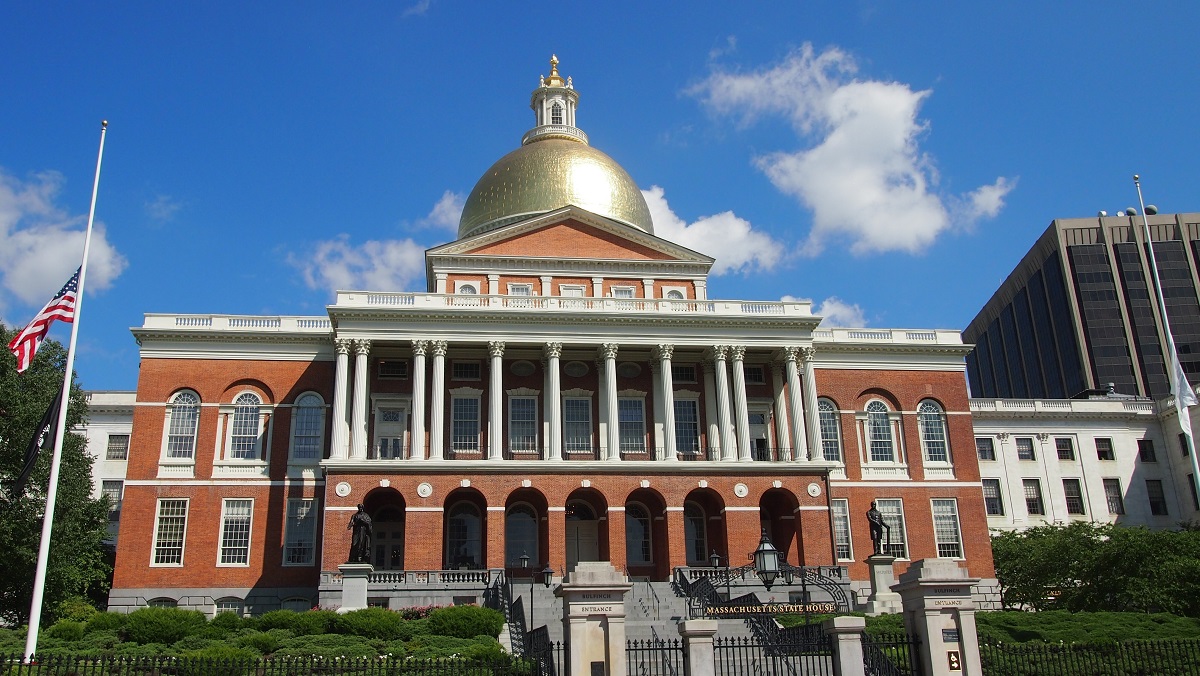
column 760, row 448
column 389, row 539
column 582, row 534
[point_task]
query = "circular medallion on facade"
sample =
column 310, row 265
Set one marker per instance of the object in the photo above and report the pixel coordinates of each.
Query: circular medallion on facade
column 385, row 482
column 629, row 369
column 576, row 369
column 741, row 490
column 522, row 368
column 425, row 489
column 814, row 489
column 342, row 489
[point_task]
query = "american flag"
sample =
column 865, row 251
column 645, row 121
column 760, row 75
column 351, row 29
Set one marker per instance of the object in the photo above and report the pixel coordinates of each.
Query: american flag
column 60, row 307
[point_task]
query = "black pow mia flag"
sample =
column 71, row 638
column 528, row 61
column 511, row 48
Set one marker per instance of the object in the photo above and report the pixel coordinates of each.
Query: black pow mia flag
column 43, row 437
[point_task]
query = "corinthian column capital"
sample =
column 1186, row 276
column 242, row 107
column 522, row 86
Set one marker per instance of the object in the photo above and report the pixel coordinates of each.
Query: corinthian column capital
column 553, row 350
column 362, row 347
column 439, row 347
column 342, row 345
column 496, row 348
column 664, row 351
column 608, row 351
column 420, row 347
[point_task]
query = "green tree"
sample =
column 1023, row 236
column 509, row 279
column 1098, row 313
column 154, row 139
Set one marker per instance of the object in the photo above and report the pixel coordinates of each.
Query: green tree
column 77, row 565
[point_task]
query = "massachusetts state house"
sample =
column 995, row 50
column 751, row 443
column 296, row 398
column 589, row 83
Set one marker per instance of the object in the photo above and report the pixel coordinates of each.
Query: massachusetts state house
column 564, row 390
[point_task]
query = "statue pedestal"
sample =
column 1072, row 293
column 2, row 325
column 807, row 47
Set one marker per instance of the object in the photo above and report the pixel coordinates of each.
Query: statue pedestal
column 882, row 599
column 354, row 586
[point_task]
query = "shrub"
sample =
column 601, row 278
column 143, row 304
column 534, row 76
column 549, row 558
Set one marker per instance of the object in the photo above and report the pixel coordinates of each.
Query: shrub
column 466, row 621
column 131, row 649
column 410, row 629
column 370, row 623
column 66, row 630
column 276, row 619
column 417, row 612
column 106, row 621
column 314, row 622
column 227, row 622
column 328, row 646
column 162, row 625
column 75, row 608
column 265, row 642
column 430, row 646
column 222, row 651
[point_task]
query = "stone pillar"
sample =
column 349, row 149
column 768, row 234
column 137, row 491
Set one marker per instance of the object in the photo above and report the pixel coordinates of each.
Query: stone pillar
column 811, row 417
column 597, row 287
column 698, row 656
column 738, row 353
column 608, row 352
column 647, row 288
column 846, row 632
column 938, row 609
column 657, row 433
column 553, row 352
column 796, row 407
column 493, row 285
column 724, row 417
column 701, row 289
column 437, row 408
column 882, row 599
column 710, row 412
column 663, row 354
column 354, row 586
column 783, row 437
column 341, row 430
column 440, row 283
column 547, row 288
column 358, row 428
column 417, row 452
column 594, row 618
column 496, row 401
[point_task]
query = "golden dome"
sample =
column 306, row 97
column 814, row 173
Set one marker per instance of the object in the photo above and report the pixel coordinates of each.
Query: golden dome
column 550, row 174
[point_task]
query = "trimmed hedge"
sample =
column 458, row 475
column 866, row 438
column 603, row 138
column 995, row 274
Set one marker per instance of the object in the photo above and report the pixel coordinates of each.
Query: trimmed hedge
column 466, row 622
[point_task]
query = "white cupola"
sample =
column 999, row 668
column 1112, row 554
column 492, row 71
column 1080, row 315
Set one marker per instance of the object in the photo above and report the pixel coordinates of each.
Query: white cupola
column 553, row 104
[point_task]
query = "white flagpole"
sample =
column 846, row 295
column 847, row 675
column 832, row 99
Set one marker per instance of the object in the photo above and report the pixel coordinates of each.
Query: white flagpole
column 1175, row 374
column 39, row 578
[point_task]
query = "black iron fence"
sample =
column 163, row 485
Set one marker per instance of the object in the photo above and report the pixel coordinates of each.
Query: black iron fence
column 739, row 655
column 56, row 665
column 1126, row 658
column 654, row 657
column 891, row 655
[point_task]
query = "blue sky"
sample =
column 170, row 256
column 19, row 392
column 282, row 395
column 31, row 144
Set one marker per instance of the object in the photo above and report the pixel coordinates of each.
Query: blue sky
column 890, row 161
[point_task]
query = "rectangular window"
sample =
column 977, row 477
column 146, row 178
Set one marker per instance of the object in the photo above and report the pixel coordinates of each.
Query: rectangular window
column 841, row 529
column 992, row 500
column 687, row 426
column 631, row 420
column 622, row 292
column 571, row 291
column 1183, row 444
column 520, row 289
column 683, row 373
column 300, row 539
column 1104, row 449
column 895, row 542
column 522, row 424
column 756, row 375
column 169, row 529
column 229, row 606
column 114, row 491
column 577, row 425
column 985, row 448
column 235, row 532
column 1065, row 447
column 1146, row 450
column 1033, row 496
column 945, row 529
column 1025, row 448
column 1074, row 492
column 1114, row 496
column 465, row 370
column 465, row 424
column 118, row 447
column 393, row 369
column 1158, row 499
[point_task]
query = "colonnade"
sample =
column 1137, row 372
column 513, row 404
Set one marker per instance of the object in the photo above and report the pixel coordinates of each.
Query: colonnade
column 724, row 373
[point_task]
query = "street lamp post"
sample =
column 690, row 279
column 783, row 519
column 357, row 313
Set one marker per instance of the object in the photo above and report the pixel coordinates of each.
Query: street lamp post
column 766, row 561
column 715, row 560
column 532, row 605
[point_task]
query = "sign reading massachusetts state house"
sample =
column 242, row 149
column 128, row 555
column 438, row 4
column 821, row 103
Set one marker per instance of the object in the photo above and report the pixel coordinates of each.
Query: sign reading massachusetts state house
column 770, row 609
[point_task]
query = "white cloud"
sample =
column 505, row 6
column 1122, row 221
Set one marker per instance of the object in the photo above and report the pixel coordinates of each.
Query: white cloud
column 862, row 172
column 390, row 265
column 729, row 47
column 161, row 209
column 41, row 244
column 837, row 312
column 730, row 239
column 446, row 212
column 417, row 9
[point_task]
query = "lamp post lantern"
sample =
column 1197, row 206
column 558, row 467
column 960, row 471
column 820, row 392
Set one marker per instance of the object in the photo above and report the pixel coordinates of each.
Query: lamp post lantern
column 766, row 561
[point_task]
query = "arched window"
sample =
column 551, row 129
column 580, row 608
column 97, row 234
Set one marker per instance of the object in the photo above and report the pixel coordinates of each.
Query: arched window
column 879, row 431
column 308, row 426
column 464, row 536
column 831, row 430
column 243, row 430
column 297, row 603
column 675, row 295
column 695, row 534
column 183, row 415
column 162, row 602
column 228, row 605
column 521, row 536
column 638, row 550
column 556, row 114
column 468, row 289
column 931, row 420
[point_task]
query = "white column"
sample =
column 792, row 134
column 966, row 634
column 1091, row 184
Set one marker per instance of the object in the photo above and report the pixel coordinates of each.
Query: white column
column 417, row 444
column 783, row 436
column 340, row 449
column 724, row 417
column 811, row 417
column 597, row 287
column 710, row 412
column 496, row 401
column 358, row 428
column 553, row 352
column 437, row 403
column 657, row 432
column 795, row 397
column 493, row 284
column 601, row 422
column 547, row 288
column 701, row 289
column 738, row 353
column 440, row 283
column 663, row 354
column 609, row 353
column 648, row 288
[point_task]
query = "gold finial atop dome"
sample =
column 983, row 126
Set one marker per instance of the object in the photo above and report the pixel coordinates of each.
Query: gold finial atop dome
column 555, row 80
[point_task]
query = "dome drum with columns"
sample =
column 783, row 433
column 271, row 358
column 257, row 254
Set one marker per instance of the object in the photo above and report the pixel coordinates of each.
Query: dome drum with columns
column 564, row 388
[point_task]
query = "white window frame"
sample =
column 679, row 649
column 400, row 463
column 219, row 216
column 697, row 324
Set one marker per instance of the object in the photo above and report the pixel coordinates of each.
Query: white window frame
column 567, row 397
column 467, row 287
column 832, row 423
column 930, row 414
column 229, row 604
column 999, row 484
column 520, row 289
column 1033, row 482
column 380, row 430
column 896, row 467
column 223, row 548
column 155, row 544
column 169, row 456
column 842, row 528
column 122, row 449
column 227, row 422
column 294, row 537
column 895, row 519
column 465, row 394
column 641, row 446
column 938, row 540
column 572, row 291
column 1108, row 483
column 297, row 408
column 692, row 398
column 1067, row 496
column 530, row 443
column 666, row 292
column 623, row 292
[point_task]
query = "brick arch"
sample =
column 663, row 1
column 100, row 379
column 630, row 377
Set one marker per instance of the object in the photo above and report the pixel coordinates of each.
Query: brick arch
column 464, row 544
column 777, row 513
column 716, row 535
column 240, row 385
column 386, row 507
column 878, row 393
column 660, row 534
column 598, row 502
column 541, row 555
